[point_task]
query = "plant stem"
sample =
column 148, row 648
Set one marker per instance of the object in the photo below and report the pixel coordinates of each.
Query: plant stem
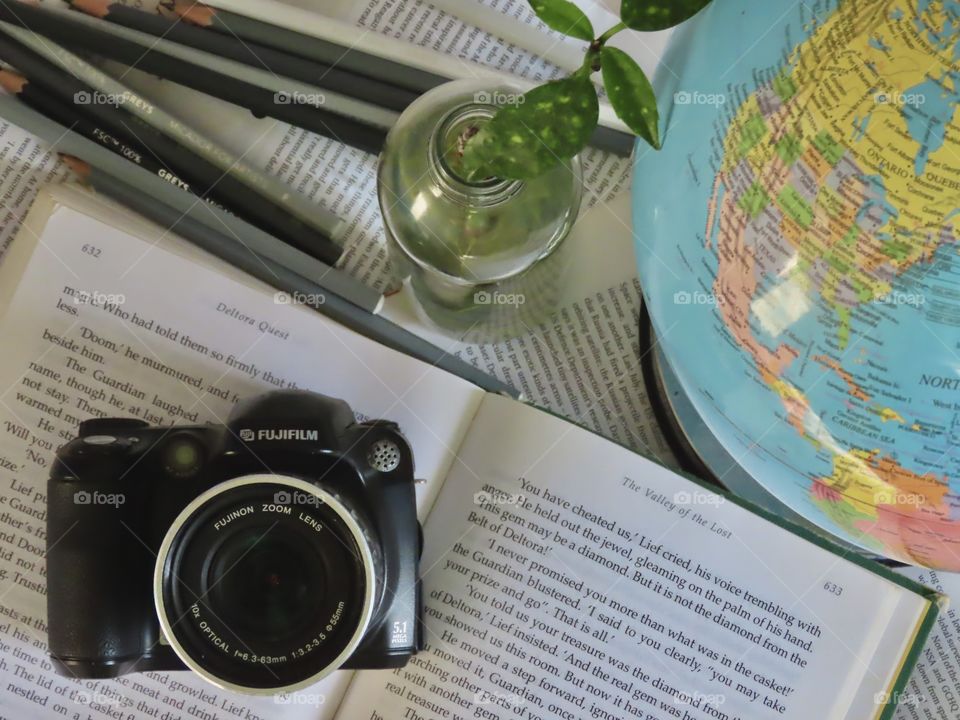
column 591, row 61
column 602, row 40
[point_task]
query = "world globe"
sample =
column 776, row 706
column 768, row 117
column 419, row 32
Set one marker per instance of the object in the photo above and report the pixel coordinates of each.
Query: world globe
column 798, row 240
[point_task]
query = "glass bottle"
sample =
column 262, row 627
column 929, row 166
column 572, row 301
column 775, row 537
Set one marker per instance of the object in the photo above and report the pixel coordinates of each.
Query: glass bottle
column 483, row 259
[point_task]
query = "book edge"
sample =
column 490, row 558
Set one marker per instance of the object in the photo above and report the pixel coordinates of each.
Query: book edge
column 25, row 244
column 909, row 660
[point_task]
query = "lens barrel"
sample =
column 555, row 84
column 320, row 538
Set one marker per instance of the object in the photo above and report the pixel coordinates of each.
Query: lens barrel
column 266, row 583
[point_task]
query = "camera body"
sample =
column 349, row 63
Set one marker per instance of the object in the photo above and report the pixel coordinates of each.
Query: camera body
column 123, row 496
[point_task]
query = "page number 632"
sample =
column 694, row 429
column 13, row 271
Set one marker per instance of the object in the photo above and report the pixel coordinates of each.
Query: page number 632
column 833, row 588
column 91, row 250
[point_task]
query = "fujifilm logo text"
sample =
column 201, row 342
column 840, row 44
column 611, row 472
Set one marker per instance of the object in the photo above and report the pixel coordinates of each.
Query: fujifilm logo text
column 297, row 434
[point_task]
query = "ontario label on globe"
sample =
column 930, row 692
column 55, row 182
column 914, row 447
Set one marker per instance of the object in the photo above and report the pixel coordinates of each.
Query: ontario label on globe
column 803, row 274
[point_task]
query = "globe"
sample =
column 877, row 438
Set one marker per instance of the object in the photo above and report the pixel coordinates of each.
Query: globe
column 797, row 239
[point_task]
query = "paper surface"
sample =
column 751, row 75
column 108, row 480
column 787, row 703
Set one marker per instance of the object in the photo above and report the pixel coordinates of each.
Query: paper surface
column 567, row 577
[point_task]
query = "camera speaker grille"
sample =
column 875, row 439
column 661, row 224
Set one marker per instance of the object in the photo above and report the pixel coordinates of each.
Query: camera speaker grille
column 384, row 456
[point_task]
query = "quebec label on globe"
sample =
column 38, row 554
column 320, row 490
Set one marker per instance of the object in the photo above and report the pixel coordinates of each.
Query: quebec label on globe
column 802, row 273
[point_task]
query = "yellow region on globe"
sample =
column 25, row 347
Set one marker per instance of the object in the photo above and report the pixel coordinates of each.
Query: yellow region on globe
column 835, row 182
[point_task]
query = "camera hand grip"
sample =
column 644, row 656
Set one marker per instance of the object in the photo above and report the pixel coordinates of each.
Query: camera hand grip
column 98, row 581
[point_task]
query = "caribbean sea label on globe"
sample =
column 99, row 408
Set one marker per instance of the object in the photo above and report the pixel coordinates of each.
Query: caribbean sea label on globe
column 799, row 248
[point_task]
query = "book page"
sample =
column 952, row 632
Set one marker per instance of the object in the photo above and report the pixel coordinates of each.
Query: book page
column 105, row 323
column 933, row 692
column 566, row 577
column 506, row 19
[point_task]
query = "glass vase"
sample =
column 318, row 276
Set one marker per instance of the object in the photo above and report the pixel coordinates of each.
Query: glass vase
column 484, row 260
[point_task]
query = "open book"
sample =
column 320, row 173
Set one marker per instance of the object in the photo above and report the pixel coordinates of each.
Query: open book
column 564, row 576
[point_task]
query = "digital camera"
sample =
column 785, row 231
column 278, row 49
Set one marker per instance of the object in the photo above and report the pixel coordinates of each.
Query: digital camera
column 263, row 554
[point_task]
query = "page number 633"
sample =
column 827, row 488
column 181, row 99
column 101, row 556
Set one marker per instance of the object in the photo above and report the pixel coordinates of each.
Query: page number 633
column 91, row 250
column 833, row 588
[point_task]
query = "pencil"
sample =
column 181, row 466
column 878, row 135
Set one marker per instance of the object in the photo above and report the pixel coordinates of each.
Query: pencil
column 324, row 222
column 207, row 179
column 40, row 101
column 326, row 76
column 248, row 236
column 318, row 50
column 281, row 278
column 78, row 31
column 281, row 90
column 612, row 134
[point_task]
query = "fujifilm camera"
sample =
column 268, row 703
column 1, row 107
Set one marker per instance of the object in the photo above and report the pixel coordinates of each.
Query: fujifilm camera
column 263, row 554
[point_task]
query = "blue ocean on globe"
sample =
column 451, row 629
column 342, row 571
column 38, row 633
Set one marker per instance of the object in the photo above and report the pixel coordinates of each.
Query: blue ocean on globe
column 797, row 238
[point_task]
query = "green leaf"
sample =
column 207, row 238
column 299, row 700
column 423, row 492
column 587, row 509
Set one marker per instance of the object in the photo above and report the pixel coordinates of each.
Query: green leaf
column 553, row 123
column 631, row 94
column 658, row 14
column 563, row 16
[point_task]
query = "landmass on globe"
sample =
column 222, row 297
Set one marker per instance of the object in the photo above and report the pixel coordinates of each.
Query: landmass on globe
column 831, row 229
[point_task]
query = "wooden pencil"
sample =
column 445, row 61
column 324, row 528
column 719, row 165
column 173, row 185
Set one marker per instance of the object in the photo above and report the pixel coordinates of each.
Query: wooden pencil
column 78, row 31
column 326, row 76
column 206, row 179
column 322, row 51
column 35, row 97
column 324, row 222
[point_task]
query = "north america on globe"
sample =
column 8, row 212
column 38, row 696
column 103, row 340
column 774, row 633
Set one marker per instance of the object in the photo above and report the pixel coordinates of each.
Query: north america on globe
column 828, row 260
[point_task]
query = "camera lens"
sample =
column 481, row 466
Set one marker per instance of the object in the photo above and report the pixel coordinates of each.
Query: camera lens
column 266, row 583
